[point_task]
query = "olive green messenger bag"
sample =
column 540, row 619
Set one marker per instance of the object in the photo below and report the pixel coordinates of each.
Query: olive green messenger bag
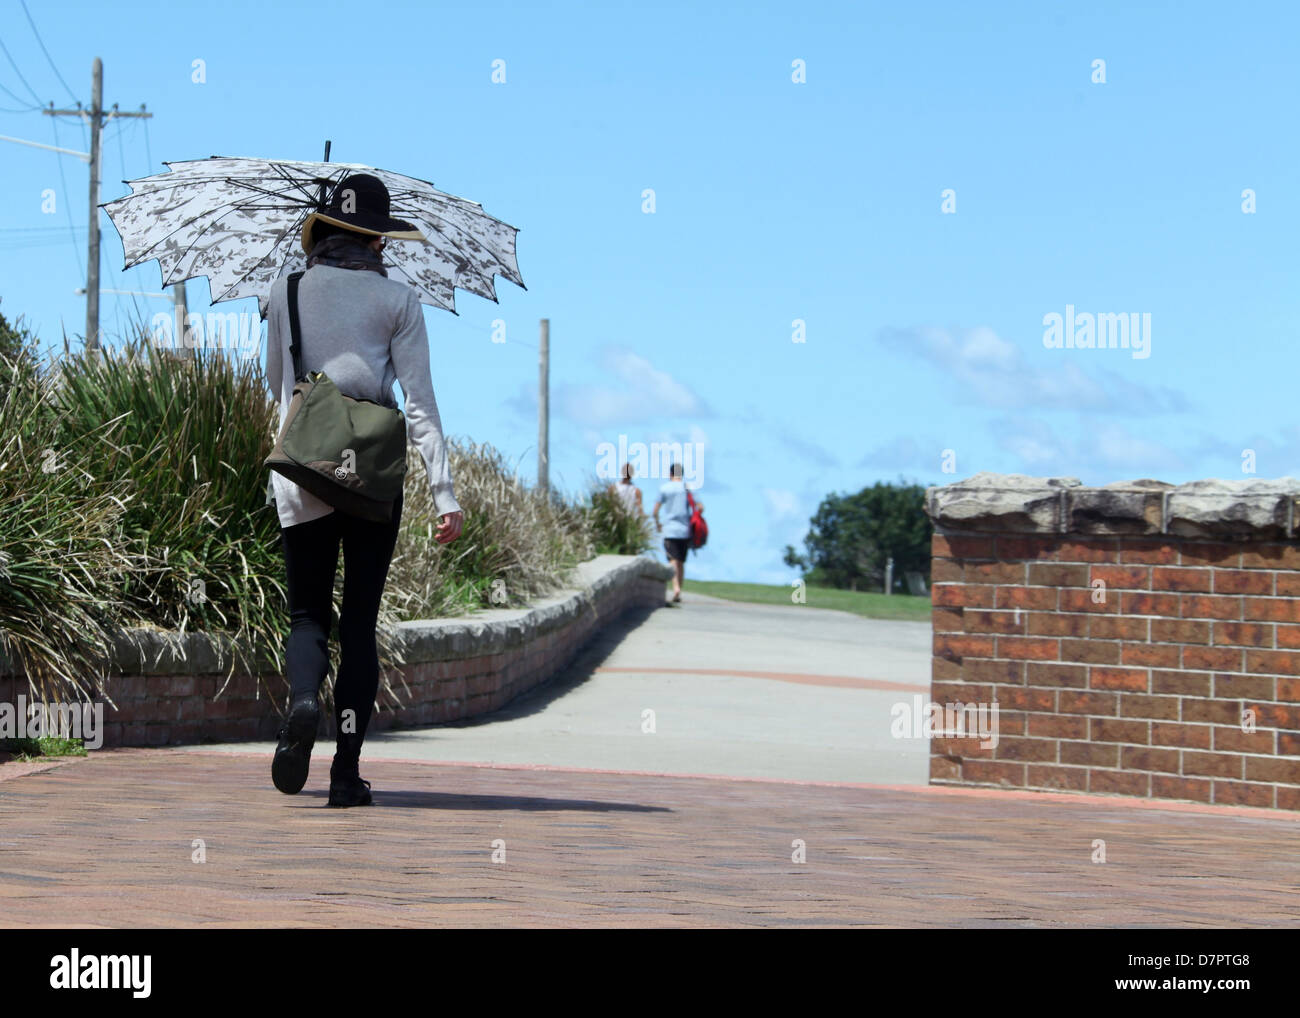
column 349, row 453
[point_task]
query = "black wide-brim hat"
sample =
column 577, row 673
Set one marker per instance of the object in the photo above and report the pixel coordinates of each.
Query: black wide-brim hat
column 360, row 202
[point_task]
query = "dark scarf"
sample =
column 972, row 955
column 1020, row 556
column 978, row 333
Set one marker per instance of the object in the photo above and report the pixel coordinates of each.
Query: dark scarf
column 346, row 253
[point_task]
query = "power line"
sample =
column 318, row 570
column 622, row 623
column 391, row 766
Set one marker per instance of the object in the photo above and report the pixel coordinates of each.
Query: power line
column 17, row 99
column 122, row 313
column 12, row 237
column 134, row 125
column 117, row 298
column 29, row 88
column 121, row 154
column 135, row 129
column 478, row 330
column 45, row 51
column 63, row 196
column 29, row 243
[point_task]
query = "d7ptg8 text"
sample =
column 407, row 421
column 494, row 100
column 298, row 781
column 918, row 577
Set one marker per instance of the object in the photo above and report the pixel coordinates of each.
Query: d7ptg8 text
column 1185, row 960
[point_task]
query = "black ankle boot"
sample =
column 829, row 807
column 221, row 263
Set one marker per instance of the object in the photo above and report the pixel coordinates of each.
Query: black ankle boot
column 347, row 787
column 297, row 737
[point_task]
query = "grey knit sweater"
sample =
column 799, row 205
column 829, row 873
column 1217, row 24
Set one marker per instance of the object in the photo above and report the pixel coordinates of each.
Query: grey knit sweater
column 365, row 332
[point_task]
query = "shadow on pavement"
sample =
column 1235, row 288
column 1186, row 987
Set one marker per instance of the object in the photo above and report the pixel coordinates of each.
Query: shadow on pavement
column 531, row 804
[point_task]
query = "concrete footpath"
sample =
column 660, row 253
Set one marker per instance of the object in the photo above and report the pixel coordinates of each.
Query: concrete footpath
column 733, row 689
column 768, row 794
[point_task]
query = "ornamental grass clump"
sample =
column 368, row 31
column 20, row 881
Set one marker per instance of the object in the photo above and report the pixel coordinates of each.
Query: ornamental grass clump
column 615, row 529
column 191, row 433
column 517, row 542
column 62, row 558
column 132, row 496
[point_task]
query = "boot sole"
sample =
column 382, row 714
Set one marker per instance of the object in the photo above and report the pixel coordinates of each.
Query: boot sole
column 291, row 763
column 340, row 804
column 338, row 799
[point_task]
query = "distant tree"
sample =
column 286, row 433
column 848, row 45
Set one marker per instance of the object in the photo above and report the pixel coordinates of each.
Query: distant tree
column 852, row 536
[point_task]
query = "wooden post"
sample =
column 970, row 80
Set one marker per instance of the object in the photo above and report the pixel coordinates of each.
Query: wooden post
column 181, row 315
column 544, row 408
column 92, row 262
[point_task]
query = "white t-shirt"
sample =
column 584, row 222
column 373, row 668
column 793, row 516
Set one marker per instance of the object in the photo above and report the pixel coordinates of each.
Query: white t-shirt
column 628, row 493
column 677, row 512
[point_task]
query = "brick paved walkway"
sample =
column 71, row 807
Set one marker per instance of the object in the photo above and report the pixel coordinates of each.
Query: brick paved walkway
column 107, row 841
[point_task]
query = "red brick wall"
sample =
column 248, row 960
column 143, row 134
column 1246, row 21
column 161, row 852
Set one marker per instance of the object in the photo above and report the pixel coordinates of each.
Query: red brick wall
column 1136, row 685
column 155, row 710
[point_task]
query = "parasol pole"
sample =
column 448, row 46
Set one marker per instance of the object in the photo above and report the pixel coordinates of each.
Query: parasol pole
column 320, row 202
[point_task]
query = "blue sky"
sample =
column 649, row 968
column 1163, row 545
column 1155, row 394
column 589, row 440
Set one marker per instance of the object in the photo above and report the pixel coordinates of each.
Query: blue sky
column 819, row 201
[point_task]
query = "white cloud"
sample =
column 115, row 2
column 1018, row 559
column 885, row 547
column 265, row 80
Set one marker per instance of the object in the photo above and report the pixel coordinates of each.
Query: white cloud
column 905, row 453
column 801, row 448
column 644, row 393
column 660, row 386
column 1116, row 446
column 781, row 504
column 992, row 371
column 807, row 451
column 1090, row 449
column 523, row 402
column 1033, row 453
column 1276, row 455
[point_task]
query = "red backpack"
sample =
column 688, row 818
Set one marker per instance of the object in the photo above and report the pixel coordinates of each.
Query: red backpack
column 699, row 529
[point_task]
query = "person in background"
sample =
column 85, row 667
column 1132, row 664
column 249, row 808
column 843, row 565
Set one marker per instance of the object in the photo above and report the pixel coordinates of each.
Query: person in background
column 628, row 493
column 676, row 526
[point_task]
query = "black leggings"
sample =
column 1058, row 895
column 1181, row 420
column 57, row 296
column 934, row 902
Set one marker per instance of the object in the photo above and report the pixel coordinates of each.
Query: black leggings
column 311, row 555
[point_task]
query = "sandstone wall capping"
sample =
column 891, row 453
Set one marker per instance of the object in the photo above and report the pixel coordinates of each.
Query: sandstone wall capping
column 1250, row 510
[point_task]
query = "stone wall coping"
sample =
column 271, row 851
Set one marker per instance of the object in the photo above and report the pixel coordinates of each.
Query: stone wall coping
column 160, row 652
column 492, row 631
column 1213, row 509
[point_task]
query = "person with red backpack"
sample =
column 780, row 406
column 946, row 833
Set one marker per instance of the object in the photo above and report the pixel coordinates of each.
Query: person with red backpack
column 683, row 526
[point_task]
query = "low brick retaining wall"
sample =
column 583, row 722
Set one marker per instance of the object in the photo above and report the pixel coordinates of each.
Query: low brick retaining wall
column 455, row 668
column 1139, row 638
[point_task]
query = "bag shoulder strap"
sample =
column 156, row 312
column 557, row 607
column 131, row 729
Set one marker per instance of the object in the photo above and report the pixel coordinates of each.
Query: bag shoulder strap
column 295, row 327
column 689, row 501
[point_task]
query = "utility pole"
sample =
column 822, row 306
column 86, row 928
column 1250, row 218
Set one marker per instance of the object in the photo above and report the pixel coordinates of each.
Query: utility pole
column 181, row 315
column 544, row 407
column 98, row 116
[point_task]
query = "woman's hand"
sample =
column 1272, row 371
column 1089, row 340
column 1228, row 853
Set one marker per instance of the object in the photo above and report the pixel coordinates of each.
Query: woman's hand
column 449, row 527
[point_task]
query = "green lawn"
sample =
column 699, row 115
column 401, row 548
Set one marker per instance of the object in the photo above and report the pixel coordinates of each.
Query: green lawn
column 873, row 606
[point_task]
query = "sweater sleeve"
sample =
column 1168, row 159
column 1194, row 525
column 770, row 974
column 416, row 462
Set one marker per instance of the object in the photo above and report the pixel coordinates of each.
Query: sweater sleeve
column 273, row 368
column 274, row 354
column 409, row 350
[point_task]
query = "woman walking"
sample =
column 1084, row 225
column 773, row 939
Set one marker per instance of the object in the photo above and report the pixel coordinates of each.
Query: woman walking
column 628, row 493
column 365, row 332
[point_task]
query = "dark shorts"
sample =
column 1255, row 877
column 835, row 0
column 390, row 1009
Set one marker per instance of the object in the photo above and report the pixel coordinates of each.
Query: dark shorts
column 676, row 547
